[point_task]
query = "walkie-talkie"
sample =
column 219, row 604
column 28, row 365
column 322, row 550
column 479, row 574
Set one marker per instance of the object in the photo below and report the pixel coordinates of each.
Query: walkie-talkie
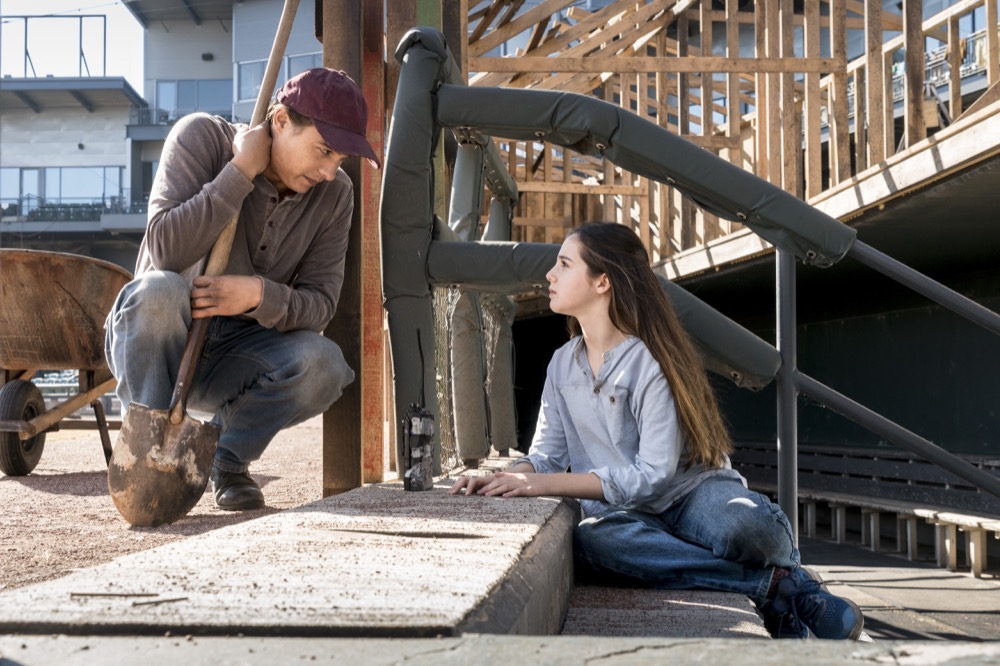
column 418, row 447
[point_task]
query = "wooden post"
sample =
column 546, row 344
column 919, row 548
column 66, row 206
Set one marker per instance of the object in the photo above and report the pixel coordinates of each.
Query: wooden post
column 791, row 140
column 342, row 423
column 709, row 223
column 429, row 13
column 889, row 110
column 642, row 108
column 455, row 22
column 840, row 148
column 760, row 86
column 733, row 116
column 775, row 160
column 992, row 44
column 401, row 15
column 625, row 102
column 373, row 443
column 913, row 43
column 860, row 131
column 875, row 109
column 609, row 168
column 686, row 223
column 954, row 69
column 664, row 219
column 812, row 104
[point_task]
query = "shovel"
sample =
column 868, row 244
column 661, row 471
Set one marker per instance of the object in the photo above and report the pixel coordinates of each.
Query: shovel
column 161, row 462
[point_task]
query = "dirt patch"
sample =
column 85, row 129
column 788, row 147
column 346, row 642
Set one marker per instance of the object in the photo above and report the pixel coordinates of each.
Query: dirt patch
column 60, row 517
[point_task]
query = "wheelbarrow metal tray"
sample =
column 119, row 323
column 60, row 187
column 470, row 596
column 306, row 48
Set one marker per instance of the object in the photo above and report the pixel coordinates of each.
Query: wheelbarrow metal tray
column 53, row 309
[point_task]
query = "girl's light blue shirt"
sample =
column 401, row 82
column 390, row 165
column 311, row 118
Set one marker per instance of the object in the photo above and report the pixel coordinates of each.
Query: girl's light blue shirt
column 621, row 426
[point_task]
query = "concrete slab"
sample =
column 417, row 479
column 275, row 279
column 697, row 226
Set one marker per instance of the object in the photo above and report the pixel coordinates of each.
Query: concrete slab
column 904, row 600
column 479, row 649
column 377, row 561
column 616, row 611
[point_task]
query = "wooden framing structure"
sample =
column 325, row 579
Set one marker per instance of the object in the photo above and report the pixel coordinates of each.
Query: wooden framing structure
column 781, row 108
column 768, row 86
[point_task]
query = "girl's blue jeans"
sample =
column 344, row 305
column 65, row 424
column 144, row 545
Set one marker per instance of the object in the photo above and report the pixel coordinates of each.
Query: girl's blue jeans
column 255, row 380
column 720, row 536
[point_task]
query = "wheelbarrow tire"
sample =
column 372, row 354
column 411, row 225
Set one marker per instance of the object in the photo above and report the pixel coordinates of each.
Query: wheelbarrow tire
column 20, row 400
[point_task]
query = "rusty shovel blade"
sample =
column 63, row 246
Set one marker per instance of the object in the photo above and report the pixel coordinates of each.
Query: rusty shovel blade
column 159, row 470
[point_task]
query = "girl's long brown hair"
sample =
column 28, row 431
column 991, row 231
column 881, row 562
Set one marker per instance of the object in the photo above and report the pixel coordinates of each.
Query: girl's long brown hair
column 640, row 307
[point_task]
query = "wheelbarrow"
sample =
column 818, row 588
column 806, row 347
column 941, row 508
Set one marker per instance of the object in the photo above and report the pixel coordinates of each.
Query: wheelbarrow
column 52, row 311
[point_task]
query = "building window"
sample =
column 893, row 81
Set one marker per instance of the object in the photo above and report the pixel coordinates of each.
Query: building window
column 77, row 185
column 251, row 74
column 10, row 191
column 181, row 97
column 26, row 191
column 297, row 64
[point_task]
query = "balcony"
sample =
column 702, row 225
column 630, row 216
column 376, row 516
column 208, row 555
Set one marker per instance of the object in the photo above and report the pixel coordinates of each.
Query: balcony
column 34, row 214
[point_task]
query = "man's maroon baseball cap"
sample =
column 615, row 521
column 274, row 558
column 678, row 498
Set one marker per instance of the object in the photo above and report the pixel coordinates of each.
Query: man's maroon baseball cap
column 335, row 105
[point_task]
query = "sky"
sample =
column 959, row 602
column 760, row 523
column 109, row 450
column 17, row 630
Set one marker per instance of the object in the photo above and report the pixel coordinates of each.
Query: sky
column 54, row 43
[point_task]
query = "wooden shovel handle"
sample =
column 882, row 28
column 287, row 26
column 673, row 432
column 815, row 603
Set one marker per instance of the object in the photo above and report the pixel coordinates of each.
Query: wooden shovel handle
column 218, row 259
column 189, row 363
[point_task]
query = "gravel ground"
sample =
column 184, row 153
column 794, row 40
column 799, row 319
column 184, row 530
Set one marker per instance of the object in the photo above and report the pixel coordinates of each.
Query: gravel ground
column 61, row 518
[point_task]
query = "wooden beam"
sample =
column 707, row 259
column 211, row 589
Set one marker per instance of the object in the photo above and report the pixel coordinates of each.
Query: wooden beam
column 684, row 221
column 342, row 432
column 400, row 17
column 954, row 69
column 913, row 100
column 710, row 223
column 618, row 31
column 523, row 22
column 733, row 97
column 637, row 64
column 791, row 137
column 373, row 444
column 992, row 45
column 773, row 146
column 876, row 98
column 545, row 222
column 812, row 106
column 931, row 27
column 840, row 147
column 760, row 85
column 486, row 18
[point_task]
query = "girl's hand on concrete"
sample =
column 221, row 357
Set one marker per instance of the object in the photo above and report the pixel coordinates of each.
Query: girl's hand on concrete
column 468, row 485
column 503, row 484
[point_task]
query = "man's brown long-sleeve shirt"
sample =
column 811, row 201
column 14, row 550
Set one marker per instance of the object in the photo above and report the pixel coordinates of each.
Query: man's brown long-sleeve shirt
column 296, row 244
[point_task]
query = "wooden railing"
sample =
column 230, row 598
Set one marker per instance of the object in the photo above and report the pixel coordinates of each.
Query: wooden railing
column 787, row 109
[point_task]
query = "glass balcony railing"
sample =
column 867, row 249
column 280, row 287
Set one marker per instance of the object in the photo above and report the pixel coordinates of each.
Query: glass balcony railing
column 37, row 209
column 154, row 116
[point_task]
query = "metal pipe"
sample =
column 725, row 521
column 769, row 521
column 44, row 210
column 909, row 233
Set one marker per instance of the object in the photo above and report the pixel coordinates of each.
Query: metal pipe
column 467, row 191
column 785, row 383
column 897, row 434
column 922, row 284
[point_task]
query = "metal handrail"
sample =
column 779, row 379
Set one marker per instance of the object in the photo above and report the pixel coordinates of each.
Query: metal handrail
column 790, row 381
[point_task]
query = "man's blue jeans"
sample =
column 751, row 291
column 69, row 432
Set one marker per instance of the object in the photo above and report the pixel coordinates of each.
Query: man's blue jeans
column 255, row 380
column 720, row 536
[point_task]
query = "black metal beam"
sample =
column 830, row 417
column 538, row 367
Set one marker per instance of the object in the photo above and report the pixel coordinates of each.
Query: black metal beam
column 27, row 101
column 192, row 12
column 84, row 102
